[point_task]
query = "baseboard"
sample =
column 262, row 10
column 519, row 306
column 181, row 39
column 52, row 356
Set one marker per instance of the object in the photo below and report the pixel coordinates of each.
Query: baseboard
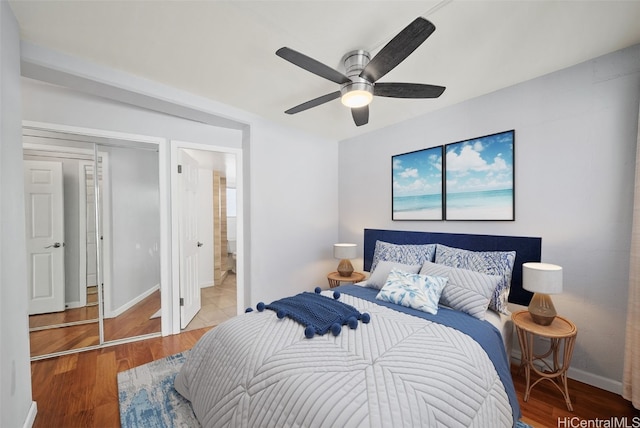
column 580, row 375
column 31, row 416
column 132, row 303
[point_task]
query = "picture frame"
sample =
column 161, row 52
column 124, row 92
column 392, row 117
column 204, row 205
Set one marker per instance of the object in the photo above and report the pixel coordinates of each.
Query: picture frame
column 417, row 185
column 479, row 177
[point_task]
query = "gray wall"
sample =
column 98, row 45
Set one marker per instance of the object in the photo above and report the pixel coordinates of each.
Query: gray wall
column 575, row 149
column 135, row 223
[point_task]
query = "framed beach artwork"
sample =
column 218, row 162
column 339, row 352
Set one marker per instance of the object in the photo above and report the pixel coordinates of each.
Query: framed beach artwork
column 417, row 185
column 479, row 178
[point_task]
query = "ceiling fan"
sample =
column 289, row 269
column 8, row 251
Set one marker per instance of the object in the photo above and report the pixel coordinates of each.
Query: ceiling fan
column 358, row 83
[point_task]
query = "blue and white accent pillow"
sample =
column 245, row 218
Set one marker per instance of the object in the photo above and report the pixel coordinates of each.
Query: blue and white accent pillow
column 381, row 273
column 466, row 291
column 412, row 290
column 498, row 263
column 408, row 254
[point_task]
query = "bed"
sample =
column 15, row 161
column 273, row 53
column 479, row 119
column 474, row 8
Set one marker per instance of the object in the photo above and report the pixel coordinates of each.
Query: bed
column 387, row 364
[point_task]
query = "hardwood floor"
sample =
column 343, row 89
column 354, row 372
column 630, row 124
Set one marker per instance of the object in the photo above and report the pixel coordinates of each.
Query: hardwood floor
column 218, row 305
column 546, row 407
column 86, row 313
column 80, row 390
column 135, row 321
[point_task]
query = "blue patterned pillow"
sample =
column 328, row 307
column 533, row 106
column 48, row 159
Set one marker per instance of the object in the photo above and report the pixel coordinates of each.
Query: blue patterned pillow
column 407, row 254
column 412, row 290
column 498, row 263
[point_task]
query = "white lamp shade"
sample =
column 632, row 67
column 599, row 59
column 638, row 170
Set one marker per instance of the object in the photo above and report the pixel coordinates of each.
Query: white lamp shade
column 542, row 278
column 345, row 251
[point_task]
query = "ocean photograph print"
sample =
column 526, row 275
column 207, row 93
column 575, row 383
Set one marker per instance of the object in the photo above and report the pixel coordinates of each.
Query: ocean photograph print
column 417, row 185
column 479, row 178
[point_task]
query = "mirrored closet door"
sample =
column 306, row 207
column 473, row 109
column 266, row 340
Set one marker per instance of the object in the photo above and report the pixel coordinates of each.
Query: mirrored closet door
column 93, row 237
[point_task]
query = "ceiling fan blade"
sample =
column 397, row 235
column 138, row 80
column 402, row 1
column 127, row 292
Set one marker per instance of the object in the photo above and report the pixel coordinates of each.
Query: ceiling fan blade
column 407, row 90
column 360, row 115
column 398, row 49
column 312, row 65
column 314, row 103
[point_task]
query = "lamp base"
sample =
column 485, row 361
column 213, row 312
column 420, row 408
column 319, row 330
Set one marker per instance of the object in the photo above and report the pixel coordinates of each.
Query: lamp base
column 541, row 309
column 345, row 268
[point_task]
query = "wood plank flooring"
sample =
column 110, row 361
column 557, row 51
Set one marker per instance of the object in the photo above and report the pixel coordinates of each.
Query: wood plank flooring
column 546, row 406
column 80, row 390
column 133, row 322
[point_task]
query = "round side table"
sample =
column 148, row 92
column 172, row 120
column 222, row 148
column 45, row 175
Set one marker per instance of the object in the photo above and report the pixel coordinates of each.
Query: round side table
column 335, row 279
column 562, row 335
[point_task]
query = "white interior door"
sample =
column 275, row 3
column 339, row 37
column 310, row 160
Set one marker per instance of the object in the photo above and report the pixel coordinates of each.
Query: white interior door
column 189, row 245
column 44, row 208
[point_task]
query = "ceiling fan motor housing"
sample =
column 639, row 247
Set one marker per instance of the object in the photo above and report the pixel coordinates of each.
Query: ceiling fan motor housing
column 354, row 63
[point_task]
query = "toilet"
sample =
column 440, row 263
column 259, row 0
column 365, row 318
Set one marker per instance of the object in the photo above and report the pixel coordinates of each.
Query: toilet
column 231, row 250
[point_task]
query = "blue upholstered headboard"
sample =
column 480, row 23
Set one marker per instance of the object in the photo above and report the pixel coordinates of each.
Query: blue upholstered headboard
column 527, row 250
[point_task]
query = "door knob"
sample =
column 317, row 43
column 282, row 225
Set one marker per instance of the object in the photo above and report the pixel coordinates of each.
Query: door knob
column 200, row 244
column 55, row 245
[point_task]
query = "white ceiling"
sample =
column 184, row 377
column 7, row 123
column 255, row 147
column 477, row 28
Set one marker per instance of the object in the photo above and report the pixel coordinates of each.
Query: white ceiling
column 225, row 50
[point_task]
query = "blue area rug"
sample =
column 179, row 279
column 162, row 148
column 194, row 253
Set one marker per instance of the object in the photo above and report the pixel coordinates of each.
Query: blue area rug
column 148, row 399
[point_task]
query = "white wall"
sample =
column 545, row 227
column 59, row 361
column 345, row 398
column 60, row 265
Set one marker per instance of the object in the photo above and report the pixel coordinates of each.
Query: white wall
column 574, row 164
column 16, row 406
column 294, row 185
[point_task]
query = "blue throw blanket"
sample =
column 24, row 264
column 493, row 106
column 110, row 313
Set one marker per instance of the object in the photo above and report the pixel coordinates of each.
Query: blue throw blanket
column 317, row 313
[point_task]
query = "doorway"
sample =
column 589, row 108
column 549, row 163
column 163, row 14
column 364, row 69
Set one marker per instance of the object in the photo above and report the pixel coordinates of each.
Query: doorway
column 207, row 249
column 110, row 243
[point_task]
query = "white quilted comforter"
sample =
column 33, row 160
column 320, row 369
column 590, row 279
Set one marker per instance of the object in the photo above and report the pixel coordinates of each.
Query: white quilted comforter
column 256, row 370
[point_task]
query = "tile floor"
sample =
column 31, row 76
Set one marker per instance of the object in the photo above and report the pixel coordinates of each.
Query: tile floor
column 218, row 304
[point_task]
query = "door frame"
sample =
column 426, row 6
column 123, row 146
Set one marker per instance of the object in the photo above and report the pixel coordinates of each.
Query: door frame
column 115, row 138
column 174, row 303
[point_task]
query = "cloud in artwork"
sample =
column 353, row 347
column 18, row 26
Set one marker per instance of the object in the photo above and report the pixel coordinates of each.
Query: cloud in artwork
column 417, row 173
column 469, row 159
column 409, row 173
column 480, row 165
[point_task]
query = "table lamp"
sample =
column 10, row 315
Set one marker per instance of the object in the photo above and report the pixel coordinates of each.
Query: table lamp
column 344, row 252
column 542, row 279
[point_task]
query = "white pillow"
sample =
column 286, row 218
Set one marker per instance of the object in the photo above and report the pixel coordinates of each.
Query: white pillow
column 379, row 275
column 466, row 291
column 415, row 291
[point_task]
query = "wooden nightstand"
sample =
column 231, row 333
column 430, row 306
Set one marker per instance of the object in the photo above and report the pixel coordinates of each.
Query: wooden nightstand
column 335, row 279
column 560, row 332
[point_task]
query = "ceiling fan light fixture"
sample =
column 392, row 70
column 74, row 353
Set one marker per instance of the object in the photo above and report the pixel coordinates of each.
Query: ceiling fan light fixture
column 358, row 93
column 356, row 98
